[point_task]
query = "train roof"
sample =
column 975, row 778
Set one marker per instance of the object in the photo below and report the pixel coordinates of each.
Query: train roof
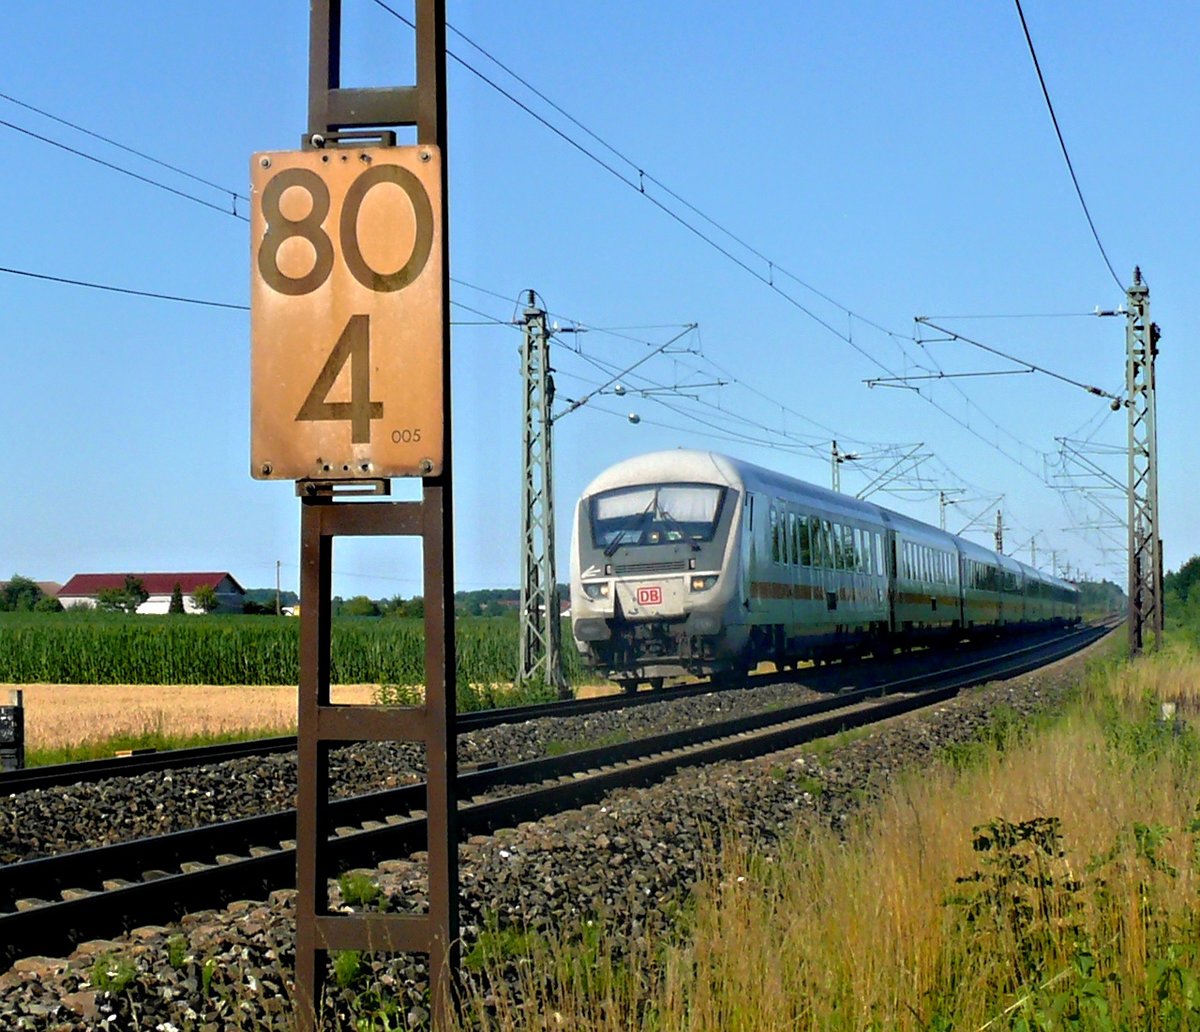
column 708, row 467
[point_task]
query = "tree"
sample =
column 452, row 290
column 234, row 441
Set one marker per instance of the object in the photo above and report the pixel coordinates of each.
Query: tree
column 176, row 605
column 359, row 605
column 205, row 598
column 125, row 599
column 20, row 594
column 47, row 604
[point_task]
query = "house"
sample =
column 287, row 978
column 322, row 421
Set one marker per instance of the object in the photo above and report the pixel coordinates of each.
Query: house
column 83, row 588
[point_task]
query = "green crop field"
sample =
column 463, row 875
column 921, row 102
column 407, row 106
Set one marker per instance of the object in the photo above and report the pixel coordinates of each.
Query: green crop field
column 94, row 648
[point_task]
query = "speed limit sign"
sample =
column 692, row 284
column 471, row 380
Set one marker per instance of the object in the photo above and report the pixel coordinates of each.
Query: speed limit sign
column 346, row 313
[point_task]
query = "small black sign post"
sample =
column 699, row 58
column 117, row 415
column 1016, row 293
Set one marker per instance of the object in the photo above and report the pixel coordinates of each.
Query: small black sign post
column 12, row 733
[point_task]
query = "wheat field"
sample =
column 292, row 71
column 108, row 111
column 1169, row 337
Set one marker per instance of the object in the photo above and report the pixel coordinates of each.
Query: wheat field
column 62, row 715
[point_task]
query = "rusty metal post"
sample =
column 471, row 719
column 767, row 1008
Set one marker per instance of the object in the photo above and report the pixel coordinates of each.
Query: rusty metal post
column 353, row 113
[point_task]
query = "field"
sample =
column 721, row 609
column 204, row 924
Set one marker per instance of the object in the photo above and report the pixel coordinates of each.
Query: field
column 64, row 723
column 93, row 648
column 1045, row 877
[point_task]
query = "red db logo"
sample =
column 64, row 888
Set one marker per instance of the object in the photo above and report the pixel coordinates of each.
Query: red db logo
column 649, row 596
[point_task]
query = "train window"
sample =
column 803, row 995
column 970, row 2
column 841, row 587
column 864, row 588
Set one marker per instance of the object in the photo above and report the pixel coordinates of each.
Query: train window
column 803, row 529
column 830, row 555
column 653, row 514
column 774, row 535
column 849, row 552
column 793, row 539
column 878, row 554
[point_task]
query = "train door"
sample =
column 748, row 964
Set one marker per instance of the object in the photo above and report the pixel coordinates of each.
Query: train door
column 748, row 555
column 892, row 573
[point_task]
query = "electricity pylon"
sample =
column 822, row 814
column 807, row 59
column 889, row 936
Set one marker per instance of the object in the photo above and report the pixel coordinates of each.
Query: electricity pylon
column 1145, row 547
column 541, row 624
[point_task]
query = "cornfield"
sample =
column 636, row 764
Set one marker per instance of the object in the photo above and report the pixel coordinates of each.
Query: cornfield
column 253, row 650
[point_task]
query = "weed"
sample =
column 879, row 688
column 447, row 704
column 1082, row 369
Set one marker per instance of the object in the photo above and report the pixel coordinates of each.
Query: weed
column 807, row 783
column 398, row 695
column 348, row 967
column 560, row 747
column 207, row 970
column 359, row 890
column 497, row 946
column 112, row 974
column 177, row 947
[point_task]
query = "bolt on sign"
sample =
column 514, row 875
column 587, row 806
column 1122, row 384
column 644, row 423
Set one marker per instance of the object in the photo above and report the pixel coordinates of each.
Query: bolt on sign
column 346, row 313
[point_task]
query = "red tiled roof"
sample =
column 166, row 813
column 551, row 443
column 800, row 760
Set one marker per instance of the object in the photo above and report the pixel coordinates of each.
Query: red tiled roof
column 154, row 583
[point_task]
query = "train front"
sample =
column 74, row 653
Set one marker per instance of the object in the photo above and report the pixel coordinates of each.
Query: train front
column 653, row 573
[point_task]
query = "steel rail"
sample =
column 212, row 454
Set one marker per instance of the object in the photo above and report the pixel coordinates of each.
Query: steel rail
column 566, row 781
column 87, row 771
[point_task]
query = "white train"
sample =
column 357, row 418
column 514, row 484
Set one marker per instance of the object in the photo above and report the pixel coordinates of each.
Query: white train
column 691, row 562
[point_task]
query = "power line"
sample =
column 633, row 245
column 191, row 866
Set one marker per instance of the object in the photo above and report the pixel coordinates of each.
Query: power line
column 125, row 290
column 1063, row 144
column 1029, row 366
column 767, row 279
column 487, row 320
column 125, row 147
column 124, row 171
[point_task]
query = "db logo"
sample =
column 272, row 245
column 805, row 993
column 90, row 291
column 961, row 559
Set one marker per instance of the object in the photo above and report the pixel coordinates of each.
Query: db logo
column 649, row 596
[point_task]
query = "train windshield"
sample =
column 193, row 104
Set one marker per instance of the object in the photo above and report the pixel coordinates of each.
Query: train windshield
column 655, row 514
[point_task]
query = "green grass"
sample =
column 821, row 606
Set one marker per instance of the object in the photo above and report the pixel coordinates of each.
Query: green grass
column 101, row 648
column 102, row 748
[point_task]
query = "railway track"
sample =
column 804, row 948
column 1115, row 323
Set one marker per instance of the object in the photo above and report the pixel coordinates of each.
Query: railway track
column 62, row 774
column 113, row 889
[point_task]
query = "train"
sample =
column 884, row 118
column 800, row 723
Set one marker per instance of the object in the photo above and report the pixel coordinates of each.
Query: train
column 690, row 562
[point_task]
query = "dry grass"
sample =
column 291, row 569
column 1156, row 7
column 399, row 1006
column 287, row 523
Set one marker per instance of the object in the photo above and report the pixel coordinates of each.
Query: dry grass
column 64, row 715
column 863, row 932
column 1168, row 676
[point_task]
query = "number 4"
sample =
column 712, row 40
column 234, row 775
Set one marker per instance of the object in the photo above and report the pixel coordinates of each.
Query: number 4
column 353, row 346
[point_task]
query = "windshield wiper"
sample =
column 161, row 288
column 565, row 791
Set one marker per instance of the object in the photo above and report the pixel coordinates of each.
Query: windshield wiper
column 668, row 518
column 611, row 548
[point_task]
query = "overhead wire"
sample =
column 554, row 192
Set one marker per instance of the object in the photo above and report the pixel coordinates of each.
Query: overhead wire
column 768, row 280
column 125, row 147
column 1063, row 144
column 124, row 171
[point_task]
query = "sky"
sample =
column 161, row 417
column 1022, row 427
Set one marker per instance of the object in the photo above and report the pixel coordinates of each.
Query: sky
column 855, row 166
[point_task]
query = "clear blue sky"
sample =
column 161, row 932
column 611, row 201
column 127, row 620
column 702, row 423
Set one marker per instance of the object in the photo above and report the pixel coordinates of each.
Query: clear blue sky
column 899, row 159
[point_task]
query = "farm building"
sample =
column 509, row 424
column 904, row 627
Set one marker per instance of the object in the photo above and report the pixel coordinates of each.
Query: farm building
column 83, row 589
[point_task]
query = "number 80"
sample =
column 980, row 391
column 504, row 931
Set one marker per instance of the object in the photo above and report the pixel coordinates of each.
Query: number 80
column 280, row 228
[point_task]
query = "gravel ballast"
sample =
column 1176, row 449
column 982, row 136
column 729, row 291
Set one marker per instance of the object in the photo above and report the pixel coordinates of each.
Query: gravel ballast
column 628, row 858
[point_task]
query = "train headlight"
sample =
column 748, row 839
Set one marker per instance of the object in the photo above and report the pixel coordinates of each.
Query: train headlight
column 596, row 590
column 703, row 583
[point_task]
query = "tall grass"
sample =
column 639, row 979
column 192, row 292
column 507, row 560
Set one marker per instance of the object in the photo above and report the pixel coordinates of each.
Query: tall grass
column 98, row 648
column 1052, row 882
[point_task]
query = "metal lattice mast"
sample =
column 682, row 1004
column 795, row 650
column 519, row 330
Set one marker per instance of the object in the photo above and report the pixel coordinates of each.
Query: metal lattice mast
column 541, row 627
column 1145, row 548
